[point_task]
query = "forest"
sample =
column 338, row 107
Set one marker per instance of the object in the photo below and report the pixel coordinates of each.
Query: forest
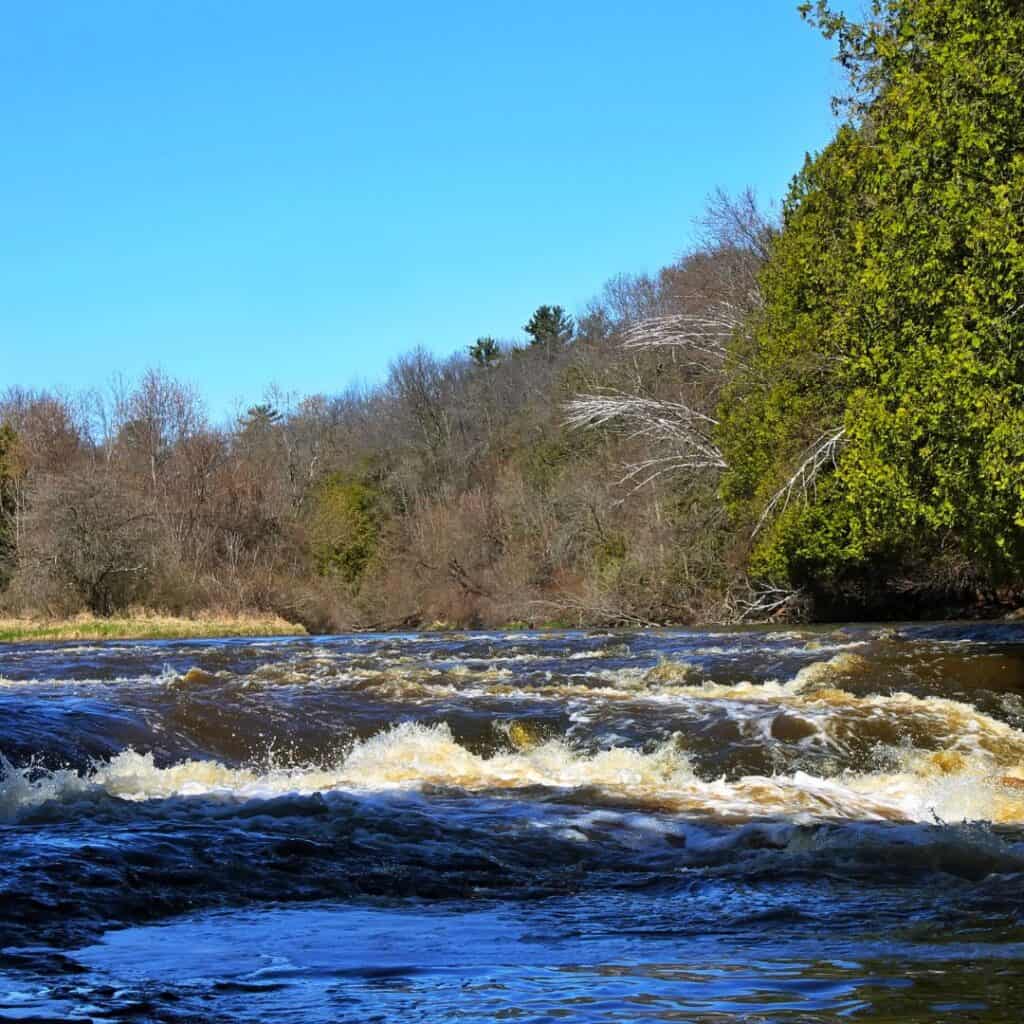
column 813, row 415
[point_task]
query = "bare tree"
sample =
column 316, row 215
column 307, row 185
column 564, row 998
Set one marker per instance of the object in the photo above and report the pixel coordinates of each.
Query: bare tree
column 83, row 539
column 703, row 304
column 151, row 419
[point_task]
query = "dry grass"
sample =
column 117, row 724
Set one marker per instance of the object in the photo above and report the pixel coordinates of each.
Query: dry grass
column 146, row 625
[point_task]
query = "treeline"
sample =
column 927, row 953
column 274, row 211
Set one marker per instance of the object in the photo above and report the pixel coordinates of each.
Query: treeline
column 821, row 416
column 457, row 491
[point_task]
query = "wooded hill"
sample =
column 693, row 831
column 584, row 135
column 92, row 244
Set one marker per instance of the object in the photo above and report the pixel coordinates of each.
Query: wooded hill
column 822, row 416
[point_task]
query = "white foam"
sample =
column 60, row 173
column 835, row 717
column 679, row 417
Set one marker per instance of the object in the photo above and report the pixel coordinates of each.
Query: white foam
column 413, row 756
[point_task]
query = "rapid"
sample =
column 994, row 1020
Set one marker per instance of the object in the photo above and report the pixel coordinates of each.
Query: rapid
column 762, row 825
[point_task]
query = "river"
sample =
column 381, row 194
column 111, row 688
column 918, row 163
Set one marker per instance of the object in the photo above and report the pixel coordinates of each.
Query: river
column 750, row 825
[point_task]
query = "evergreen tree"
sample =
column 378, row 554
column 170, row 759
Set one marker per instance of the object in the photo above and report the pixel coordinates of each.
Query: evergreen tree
column 344, row 527
column 484, row 351
column 877, row 419
column 550, row 327
column 261, row 417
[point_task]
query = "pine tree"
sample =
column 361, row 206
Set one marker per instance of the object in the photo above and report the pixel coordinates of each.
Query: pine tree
column 550, row 327
column 484, row 351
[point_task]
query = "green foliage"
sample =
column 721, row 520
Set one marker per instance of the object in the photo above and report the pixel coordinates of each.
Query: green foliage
column 609, row 556
column 261, row 417
column 344, row 528
column 550, row 327
column 543, row 461
column 784, row 389
column 484, row 352
column 894, row 309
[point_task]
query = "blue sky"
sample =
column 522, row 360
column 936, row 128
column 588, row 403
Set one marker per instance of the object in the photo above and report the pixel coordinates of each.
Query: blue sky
column 244, row 192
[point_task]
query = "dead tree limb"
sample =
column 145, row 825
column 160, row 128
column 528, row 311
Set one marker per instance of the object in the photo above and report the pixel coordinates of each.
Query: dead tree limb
column 824, row 452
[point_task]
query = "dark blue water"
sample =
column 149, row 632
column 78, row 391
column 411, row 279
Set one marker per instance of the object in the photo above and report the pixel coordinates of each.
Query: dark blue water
column 677, row 826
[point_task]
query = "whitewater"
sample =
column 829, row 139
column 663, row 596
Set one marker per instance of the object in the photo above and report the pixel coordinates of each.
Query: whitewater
column 822, row 824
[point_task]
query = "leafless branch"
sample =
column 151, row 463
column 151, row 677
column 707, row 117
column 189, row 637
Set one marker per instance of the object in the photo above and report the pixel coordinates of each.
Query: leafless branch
column 684, row 431
column 822, row 453
column 706, row 333
column 766, row 600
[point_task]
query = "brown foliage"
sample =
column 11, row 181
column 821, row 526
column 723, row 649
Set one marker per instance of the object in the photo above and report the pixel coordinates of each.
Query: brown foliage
column 488, row 508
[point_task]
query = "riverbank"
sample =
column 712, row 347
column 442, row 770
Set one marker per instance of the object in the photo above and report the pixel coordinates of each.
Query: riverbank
column 145, row 625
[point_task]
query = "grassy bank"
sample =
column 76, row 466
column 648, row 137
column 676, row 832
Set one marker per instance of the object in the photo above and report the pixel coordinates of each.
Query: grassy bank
column 145, row 626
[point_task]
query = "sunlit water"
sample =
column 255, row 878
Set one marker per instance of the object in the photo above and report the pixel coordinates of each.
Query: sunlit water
column 765, row 825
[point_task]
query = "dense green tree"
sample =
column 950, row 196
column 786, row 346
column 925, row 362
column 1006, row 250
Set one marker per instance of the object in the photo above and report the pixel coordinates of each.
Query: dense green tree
column 877, row 418
column 484, row 351
column 260, row 417
column 344, row 527
column 550, row 327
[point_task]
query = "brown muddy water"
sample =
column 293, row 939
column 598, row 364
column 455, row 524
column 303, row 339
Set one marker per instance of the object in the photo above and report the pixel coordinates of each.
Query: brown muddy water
column 762, row 825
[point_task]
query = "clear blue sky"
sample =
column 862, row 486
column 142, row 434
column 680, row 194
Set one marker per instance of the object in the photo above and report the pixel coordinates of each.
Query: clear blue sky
column 244, row 192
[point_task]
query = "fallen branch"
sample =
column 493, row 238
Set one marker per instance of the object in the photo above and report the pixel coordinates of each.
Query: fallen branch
column 765, row 601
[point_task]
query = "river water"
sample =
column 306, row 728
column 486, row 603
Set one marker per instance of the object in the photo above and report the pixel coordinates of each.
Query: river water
column 762, row 825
